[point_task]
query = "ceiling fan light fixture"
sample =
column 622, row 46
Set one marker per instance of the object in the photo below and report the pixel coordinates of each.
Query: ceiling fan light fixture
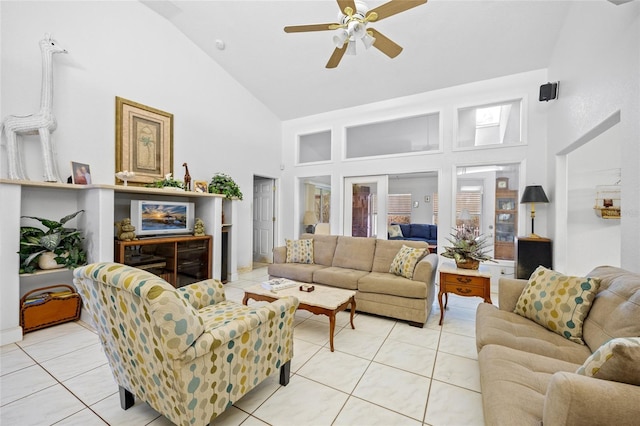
column 351, row 48
column 357, row 29
column 368, row 40
column 340, row 37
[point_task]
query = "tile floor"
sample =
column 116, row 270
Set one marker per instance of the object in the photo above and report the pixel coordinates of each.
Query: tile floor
column 382, row 373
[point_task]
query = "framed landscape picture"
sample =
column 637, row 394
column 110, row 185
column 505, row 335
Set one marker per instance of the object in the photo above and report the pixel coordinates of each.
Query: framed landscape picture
column 144, row 142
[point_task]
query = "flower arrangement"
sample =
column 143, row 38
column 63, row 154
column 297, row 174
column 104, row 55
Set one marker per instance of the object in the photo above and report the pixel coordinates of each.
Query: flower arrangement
column 224, row 184
column 467, row 249
column 64, row 243
column 168, row 181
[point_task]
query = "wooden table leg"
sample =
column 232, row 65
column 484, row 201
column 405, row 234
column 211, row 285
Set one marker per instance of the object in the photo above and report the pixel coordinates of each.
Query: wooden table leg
column 353, row 311
column 441, row 307
column 332, row 327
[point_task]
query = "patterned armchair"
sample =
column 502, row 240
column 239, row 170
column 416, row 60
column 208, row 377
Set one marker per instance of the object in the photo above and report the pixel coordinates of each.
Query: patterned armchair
column 187, row 352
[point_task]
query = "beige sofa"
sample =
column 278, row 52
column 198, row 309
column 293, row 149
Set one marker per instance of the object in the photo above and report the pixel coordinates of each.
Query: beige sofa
column 362, row 264
column 528, row 374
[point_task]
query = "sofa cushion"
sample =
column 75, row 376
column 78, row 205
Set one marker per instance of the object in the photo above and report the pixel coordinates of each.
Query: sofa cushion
column 616, row 308
column 514, row 384
column 558, row 302
column 354, row 253
column 433, row 232
column 339, row 277
column 420, row 230
column 294, row 271
column 386, row 251
column 405, row 261
column 495, row 326
column 385, row 283
column 324, row 247
column 406, row 229
column 617, row 360
column 299, row 251
column 394, row 231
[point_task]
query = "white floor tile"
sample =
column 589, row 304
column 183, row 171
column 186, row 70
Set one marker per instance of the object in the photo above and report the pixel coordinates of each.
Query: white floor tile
column 345, row 372
column 357, row 342
column 397, row 390
column 258, row 395
column 82, row 418
column 109, row 409
column 302, row 352
column 312, row 332
column 51, row 405
column 231, row 417
column 24, row 382
column 61, row 345
column 451, row 405
column 13, row 358
column 321, row 404
column 451, row 324
column 457, row 344
column 425, row 337
column 408, row 357
column 359, row 412
column 457, row 370
column 77, row 362
column 84, row 386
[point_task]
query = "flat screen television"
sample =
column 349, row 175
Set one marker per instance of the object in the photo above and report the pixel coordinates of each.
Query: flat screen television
column 162, row 217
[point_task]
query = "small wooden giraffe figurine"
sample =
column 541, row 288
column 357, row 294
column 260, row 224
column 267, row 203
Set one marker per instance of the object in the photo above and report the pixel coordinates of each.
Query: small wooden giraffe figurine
column 187, row 178
column 41, row 123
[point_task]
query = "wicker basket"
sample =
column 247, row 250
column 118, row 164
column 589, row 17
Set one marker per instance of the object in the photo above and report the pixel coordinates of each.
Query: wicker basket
column 40, row 308
column 469, row 264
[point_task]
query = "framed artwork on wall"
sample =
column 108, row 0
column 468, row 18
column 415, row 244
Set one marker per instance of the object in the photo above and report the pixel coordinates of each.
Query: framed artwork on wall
column 144, row 142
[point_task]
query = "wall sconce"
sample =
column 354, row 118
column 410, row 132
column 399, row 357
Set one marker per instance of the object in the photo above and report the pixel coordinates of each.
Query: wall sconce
column 533, row 194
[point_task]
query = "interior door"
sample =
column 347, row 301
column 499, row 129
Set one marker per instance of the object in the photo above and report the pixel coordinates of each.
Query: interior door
column 263, row 219
column 365, row 206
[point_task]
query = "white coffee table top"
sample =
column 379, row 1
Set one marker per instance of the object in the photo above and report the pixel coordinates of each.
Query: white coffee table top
column 323, row 296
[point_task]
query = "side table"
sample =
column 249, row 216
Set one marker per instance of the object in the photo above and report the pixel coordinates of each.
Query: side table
column 463, row 282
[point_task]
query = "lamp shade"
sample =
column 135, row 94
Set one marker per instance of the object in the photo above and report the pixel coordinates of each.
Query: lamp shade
column 309, row 218
column 534, row 194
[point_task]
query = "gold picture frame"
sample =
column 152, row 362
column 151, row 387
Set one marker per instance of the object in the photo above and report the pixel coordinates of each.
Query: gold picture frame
column 201, row 186
column 144, row 142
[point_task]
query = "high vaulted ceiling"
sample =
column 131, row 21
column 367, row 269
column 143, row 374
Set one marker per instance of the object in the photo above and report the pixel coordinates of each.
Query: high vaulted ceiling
column 446, row 43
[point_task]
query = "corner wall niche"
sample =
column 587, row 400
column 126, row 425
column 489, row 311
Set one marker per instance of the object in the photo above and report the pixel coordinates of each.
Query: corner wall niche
column 103, row 205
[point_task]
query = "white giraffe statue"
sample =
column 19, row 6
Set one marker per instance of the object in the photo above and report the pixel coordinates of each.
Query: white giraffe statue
column 41, row 123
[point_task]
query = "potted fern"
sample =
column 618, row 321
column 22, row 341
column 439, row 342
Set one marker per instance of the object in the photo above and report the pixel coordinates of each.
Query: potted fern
column 224, row 184
column 168, row 182
column 57, row 247
column 467, row 249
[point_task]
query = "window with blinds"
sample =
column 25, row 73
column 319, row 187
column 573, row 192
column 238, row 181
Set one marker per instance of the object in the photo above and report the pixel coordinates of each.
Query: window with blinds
column 469, row 201
column 399, row 208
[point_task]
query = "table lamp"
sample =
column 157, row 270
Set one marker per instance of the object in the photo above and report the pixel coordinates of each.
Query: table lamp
column 309, row 220
column 533, row 194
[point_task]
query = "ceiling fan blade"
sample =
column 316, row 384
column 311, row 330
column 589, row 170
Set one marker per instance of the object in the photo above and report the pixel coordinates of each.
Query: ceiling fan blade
column 336, row 56
column 312, row 27
column 391, row 8
column 343, row 4
column 385, row 44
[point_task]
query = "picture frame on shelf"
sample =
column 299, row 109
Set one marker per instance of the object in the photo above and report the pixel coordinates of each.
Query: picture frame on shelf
column 201, row 186
column 502, row 183
column 144, row 142
column 80, row 173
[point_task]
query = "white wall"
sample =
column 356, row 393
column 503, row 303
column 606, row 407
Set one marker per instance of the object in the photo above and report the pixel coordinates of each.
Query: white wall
column 596, row 61
column 444, row 161
column 123, row 48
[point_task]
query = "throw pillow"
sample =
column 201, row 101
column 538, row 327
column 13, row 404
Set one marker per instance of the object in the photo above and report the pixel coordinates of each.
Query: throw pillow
column 617, row 360
column 406, row 260
column 558, row 302
column 394, row 231
column 299, row 251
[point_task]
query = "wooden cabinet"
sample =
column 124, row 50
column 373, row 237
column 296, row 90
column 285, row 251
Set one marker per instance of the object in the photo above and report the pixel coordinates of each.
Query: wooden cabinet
column 506, row 228
column 531, row 253
column 177, row 260
column 463, row 282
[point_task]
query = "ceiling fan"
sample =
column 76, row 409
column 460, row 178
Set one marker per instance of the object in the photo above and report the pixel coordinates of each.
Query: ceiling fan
column 353, row 23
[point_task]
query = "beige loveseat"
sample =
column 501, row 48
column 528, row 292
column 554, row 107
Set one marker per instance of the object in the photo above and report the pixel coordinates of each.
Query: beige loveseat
column 528, row 374
column 362, row 264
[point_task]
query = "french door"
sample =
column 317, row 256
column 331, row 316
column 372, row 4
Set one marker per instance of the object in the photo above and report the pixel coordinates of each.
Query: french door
column 365, row 206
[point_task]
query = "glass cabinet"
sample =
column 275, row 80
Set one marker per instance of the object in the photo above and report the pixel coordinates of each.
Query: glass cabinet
column 506, row 224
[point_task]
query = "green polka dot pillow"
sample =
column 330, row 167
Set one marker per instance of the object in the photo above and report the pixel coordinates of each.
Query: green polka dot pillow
column 558, row 302
column 406, row 260
column 617, row 360
column 299, row 251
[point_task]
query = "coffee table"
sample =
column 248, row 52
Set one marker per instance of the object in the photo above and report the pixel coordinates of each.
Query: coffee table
column 323, row 301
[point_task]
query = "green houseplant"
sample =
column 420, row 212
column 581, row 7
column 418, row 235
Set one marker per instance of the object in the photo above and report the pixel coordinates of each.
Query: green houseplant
column 224, row 184
column 64, row 243
column 467, row 249
column 167, row 182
